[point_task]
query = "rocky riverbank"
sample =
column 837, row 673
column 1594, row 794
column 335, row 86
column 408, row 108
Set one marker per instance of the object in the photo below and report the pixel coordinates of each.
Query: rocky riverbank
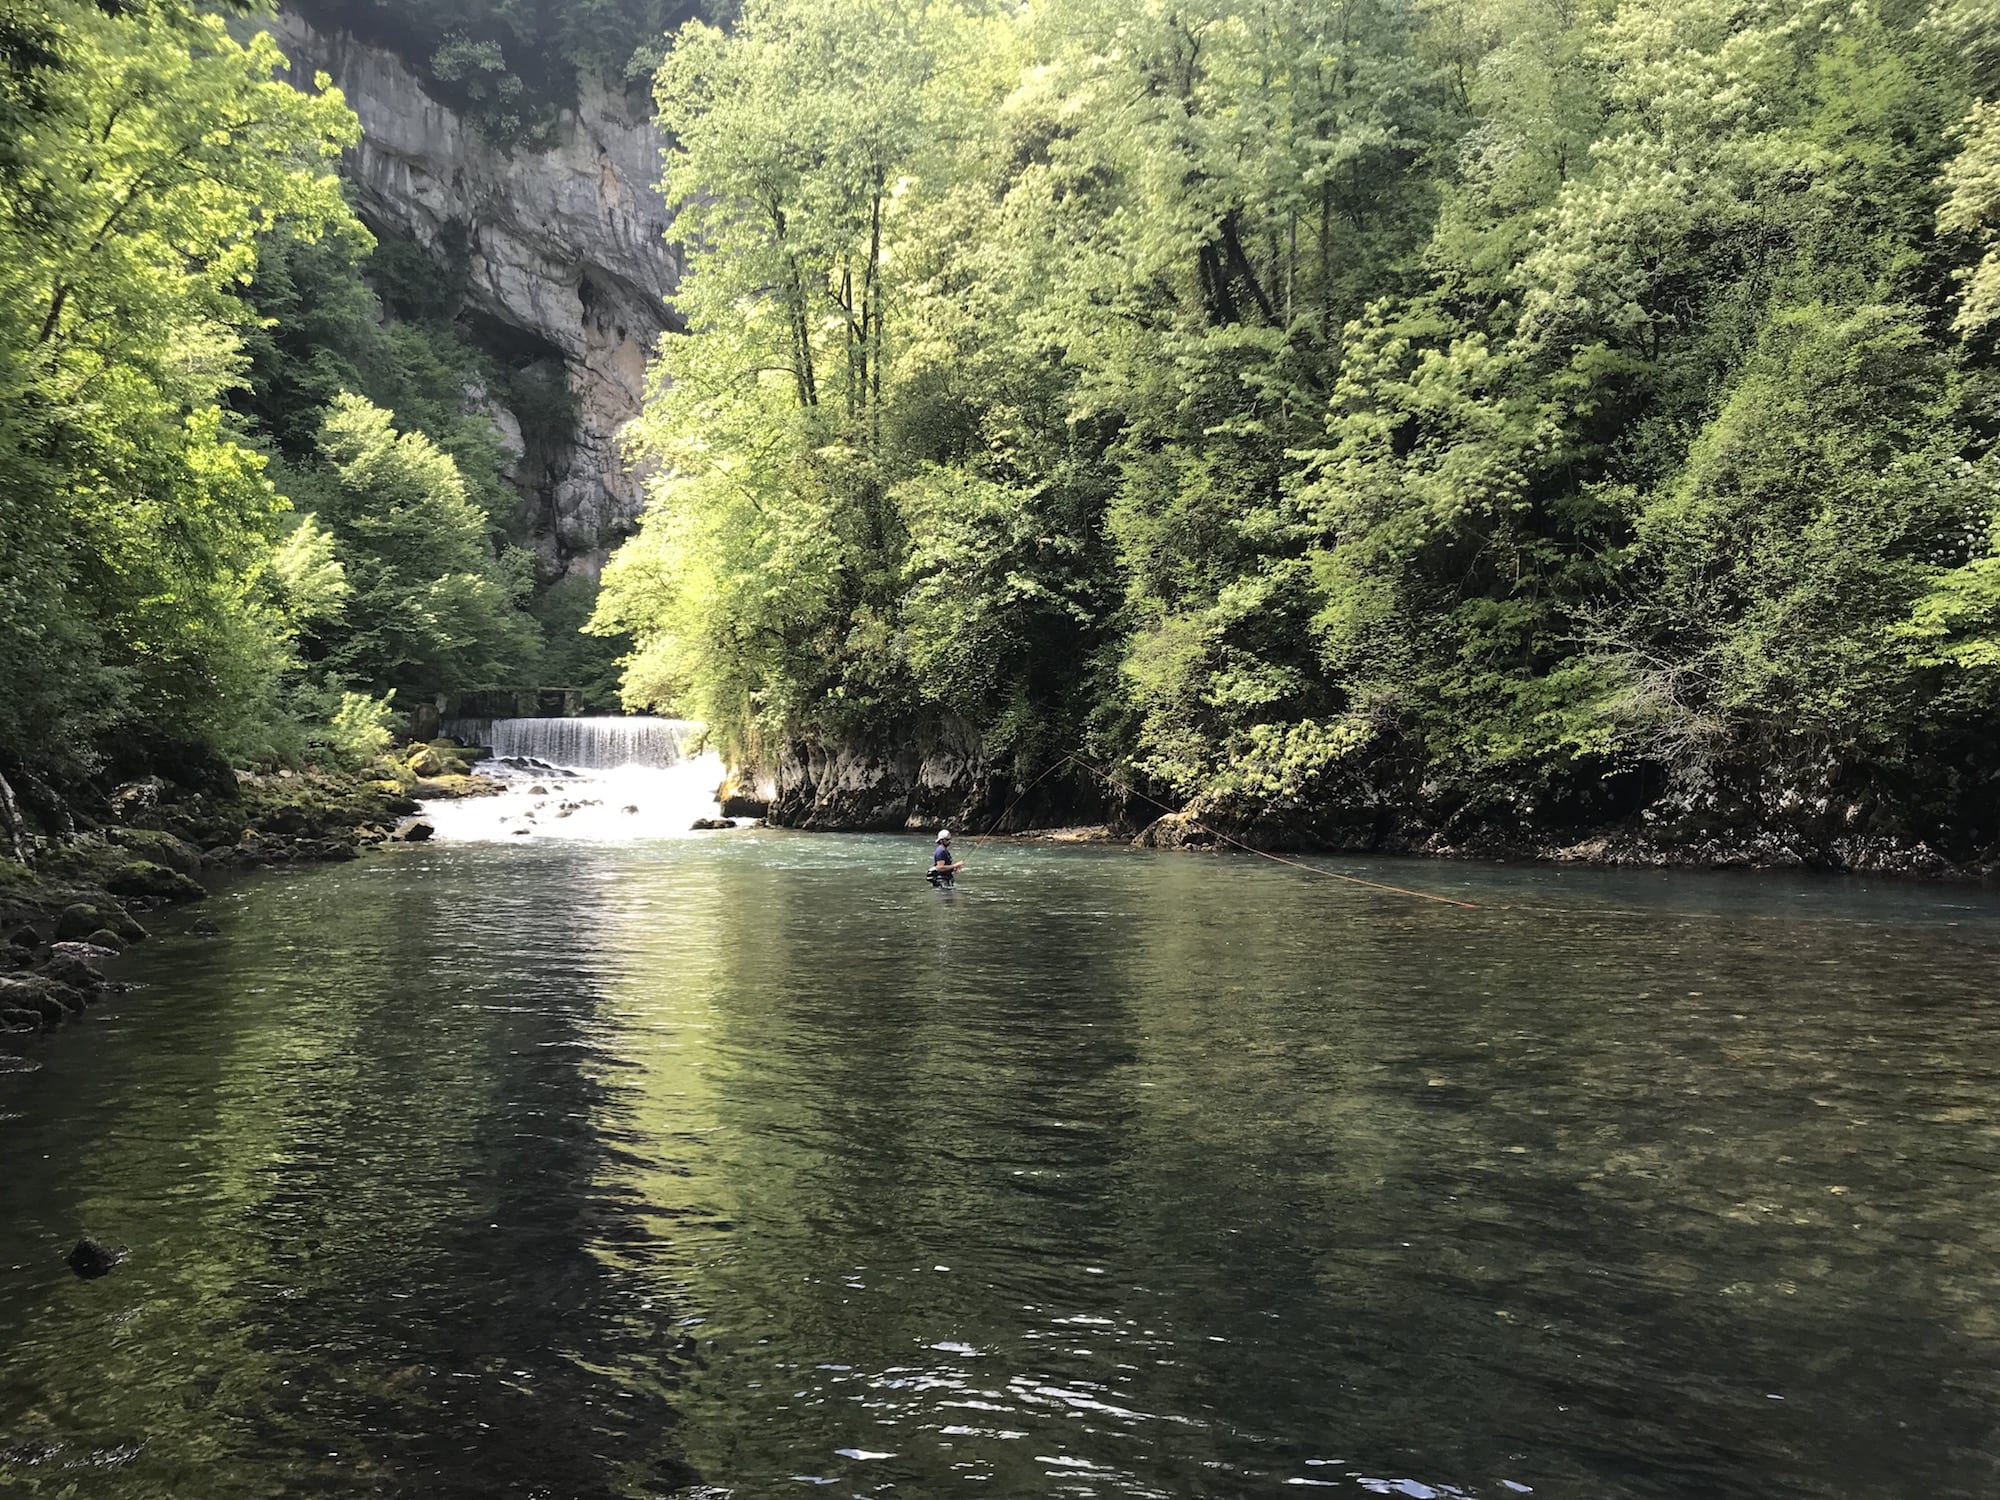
column 1753, row 819
column 1749, row 823
column 99, row 860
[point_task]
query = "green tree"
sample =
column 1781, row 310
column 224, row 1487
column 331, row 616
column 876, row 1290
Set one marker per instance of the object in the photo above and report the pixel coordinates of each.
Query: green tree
column 1490, row 412
column 147, row 151
column 430, row 607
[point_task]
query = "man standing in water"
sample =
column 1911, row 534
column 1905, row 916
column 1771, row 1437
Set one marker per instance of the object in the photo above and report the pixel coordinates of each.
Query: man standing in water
column 942, row 868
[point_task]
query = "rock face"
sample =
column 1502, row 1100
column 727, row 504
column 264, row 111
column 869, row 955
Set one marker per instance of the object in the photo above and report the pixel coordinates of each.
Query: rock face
column 940, row 779
column 564, row 248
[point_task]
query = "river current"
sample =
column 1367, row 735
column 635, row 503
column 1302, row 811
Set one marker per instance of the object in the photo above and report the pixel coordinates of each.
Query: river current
column 748, row 1165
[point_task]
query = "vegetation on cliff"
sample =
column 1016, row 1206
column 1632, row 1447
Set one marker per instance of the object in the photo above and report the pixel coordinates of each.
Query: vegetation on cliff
column 508, row 66
column 213, row 546
column 1519, row 414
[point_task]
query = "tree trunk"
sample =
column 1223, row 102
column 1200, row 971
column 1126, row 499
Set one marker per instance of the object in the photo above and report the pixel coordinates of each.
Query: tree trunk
column 12, row 840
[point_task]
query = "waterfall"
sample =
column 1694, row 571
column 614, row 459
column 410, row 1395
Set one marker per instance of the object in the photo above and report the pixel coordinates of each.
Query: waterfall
column 581, row 744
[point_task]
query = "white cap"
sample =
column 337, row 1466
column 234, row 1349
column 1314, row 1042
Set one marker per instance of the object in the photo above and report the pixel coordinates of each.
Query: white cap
column 944, row 835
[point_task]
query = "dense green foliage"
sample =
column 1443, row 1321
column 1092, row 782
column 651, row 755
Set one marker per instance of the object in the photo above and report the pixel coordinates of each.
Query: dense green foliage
column 1309, row 399
column 155, row 585
column 146, row 152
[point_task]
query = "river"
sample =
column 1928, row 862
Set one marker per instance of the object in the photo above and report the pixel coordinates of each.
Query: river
column 748, row 1165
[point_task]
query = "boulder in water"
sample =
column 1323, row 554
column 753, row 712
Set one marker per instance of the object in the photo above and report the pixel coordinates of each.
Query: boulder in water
column 451, row 788
column 703, row 825
column 416, row 831
column 75, row 922
column 77, row 967
column 91, row 1259
column 39, row 995
column 106, row 939
column 630, row 807
column 207, row 927
column 146, row 881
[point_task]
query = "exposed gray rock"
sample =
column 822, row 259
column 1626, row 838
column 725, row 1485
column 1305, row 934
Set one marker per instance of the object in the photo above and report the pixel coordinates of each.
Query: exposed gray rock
column 567, row 245
column 858, row 786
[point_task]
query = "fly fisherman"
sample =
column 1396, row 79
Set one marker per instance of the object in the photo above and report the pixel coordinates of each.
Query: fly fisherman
column 943, row 870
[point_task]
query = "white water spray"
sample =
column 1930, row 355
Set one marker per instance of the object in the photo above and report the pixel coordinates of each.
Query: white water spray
column 594, row 780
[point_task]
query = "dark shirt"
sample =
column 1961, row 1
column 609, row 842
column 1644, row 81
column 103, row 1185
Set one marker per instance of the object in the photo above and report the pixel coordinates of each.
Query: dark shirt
column 940, row 855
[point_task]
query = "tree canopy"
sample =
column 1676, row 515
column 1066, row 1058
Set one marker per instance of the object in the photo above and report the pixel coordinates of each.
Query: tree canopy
column 157, row 179
column 1521, row 405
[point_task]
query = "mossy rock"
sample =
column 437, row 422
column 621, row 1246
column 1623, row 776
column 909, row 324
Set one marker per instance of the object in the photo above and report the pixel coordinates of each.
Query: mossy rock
column 158, row 848
column 146, row 881
column 392, row 771
column 451, row 788
column 25, row 895
column 82, row 918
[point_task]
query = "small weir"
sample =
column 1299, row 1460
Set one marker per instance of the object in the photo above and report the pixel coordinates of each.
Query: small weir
column 583, row 744
column 606, row 780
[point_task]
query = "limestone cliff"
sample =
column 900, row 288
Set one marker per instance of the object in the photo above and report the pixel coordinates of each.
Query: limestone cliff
column 564, row 249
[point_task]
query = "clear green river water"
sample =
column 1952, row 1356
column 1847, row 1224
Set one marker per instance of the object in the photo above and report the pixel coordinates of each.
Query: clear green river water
column 750, row 1166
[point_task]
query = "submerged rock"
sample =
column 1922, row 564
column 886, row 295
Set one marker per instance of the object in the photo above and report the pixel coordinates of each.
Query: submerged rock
column 206, row 927
column 90, row 1259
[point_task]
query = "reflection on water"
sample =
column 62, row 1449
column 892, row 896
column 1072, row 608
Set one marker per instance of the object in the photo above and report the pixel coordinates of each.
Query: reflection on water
column 752, row 1165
